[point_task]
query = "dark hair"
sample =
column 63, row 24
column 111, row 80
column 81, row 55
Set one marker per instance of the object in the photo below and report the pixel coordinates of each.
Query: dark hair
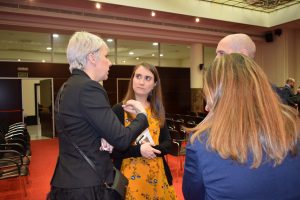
column 155, row 96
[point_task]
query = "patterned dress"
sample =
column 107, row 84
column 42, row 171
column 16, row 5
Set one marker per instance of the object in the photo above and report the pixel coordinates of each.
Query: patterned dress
column 147, row 179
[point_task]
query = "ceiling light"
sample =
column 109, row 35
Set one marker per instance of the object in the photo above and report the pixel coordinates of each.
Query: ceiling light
column 137, row 58
column 123, row 61
column 98, row 5
column 153, row 13
column 19, row 60
column 109, row 40
column 153, row 54
column 49, row 48
column 161, row 55
column 155, row 43
column 43, row 61
column 55, row 35
column 131, row 53
column 197, row 19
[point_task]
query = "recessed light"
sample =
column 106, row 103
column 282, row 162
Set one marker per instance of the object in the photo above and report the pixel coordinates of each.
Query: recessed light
column 43, row 61
column 109, row 40
column 153, row 54
column 161, row 55
column 153, row 13
column 19, row 60
column 98, row 5
column 155, row 43
column 197, row 19
column 123, row 61
column 49, row 48
column 137, row 58
column 55, row 35
column 131, row 53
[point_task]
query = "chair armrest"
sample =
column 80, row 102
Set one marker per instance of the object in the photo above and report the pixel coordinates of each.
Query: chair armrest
column 11, row 152
column 15, row 146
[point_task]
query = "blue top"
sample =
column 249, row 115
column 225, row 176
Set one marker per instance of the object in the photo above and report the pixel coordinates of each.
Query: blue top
column 208, row 176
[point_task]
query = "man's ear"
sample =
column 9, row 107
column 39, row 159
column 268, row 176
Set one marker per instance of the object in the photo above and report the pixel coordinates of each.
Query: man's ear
column 245, row 52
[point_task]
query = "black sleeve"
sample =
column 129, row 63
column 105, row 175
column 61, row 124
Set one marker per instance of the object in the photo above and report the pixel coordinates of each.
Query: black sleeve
column 102, row 118
column 165, row 141
column 119, row 111
column 132, row 150
column 288, row 96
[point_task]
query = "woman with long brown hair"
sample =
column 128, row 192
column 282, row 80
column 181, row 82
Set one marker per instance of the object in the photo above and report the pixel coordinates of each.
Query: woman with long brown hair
column 143, row 163
column 246, row 147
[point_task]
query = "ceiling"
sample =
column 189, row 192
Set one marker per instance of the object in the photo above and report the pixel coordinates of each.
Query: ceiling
column 176, row 32
column 69, row 15
column 265, row 6
column 250, row 12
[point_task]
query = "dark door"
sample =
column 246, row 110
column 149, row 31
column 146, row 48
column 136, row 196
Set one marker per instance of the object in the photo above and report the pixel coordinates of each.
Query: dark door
column 11, row 110
column 45, row 108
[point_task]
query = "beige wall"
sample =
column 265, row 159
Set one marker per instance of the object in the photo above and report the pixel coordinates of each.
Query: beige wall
column 280, row 58
column 28, row 96
column 209, row 55
column 297, row 57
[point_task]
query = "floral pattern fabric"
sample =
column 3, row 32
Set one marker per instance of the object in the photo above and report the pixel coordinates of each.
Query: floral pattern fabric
column 147, row 179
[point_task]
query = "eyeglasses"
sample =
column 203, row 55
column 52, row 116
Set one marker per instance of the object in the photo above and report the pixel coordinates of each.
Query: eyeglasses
column 93, row 52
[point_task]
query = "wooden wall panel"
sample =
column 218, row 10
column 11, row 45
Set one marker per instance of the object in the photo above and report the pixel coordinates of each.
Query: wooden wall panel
column 175, row 86
column 59, row 72
column 175, row 81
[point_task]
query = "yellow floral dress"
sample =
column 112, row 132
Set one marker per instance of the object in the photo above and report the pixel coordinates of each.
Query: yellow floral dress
column 147, row 179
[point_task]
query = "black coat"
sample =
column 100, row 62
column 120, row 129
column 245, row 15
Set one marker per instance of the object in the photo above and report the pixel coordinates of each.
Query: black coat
column 288, row 95
column 165, row 143
column 86, row 116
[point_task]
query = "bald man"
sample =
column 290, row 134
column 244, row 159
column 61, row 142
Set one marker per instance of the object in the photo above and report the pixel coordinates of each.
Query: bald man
column 242, row 43
column 236, row 43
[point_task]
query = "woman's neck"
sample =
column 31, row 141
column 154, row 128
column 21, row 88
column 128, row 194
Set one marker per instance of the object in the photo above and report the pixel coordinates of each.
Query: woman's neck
column 143, row 100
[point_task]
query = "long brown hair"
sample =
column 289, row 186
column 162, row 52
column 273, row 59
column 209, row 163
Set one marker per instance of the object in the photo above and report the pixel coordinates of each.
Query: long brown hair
column 246, row 116
column 154, row 98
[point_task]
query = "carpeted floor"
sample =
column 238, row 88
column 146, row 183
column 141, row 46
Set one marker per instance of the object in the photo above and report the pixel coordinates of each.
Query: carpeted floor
column 43, row 159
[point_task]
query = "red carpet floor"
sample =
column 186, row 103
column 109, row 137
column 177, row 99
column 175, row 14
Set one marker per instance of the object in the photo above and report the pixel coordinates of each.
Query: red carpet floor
column 43, row 160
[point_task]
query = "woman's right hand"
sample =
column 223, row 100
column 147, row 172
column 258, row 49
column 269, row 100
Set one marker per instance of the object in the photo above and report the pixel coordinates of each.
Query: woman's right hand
column 148, row 151
column 134, row 107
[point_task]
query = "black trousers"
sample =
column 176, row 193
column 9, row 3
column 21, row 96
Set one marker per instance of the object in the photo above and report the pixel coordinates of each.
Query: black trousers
column 86, row 193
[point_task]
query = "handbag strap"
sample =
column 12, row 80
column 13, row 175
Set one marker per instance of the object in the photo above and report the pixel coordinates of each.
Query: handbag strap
column 82, row 154
column 58, row 98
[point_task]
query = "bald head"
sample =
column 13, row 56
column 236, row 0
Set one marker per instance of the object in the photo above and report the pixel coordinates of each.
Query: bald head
column 236, row 43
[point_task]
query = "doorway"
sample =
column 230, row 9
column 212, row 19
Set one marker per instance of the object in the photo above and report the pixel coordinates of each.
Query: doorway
column 37, row 100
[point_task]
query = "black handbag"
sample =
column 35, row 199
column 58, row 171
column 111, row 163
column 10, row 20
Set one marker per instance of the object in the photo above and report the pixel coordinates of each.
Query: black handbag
column 119, row 184
column 117, row 190
column 114, row 191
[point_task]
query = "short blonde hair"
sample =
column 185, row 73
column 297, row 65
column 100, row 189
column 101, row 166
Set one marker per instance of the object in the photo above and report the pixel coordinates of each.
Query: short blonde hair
column 80, row 45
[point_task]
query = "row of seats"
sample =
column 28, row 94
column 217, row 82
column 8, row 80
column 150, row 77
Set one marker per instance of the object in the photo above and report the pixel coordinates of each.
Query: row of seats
column 15, row 153
column 176, row 124
column 188, row 121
